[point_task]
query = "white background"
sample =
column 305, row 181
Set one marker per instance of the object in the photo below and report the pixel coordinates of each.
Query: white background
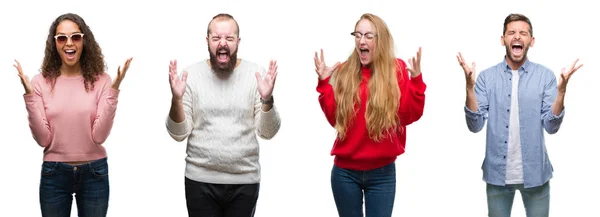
column 439, row 175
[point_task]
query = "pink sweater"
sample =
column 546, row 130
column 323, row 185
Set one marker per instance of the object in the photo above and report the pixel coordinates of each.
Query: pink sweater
column 70, row 123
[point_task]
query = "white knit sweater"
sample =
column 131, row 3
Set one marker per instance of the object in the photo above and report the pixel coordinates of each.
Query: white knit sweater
column 222, row 119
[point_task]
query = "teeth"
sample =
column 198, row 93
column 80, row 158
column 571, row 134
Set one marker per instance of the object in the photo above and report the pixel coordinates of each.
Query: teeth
column 69, row 51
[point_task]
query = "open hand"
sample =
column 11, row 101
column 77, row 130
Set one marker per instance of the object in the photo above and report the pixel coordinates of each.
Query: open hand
column 266, row 84
column 121, row 74
column 323, row 70
column 565, row 75
column 469, row 71
column 177, row 85
column 415, row 65
column 24, row 79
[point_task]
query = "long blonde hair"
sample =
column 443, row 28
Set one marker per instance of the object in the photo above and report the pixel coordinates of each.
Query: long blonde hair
column 384, row 94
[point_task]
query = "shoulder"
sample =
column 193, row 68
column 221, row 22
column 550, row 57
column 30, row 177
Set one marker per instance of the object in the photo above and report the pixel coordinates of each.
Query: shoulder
column 544, row 70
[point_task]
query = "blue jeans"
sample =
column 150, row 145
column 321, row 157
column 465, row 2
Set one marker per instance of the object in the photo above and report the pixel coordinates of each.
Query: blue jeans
column 378, row 187
column 536, row 200
column 89, row 183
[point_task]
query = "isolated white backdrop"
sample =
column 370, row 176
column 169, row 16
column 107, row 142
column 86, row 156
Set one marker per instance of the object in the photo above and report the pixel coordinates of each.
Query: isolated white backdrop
column 439, row 175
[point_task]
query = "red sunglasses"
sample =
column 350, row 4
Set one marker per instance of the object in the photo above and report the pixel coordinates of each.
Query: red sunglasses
column 76, row 37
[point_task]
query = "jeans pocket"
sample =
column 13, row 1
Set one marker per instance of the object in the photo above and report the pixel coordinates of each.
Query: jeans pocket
column 48, row 168
column 100, row 170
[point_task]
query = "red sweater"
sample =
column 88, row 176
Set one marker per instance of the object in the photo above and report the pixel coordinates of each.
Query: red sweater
column 359, row 152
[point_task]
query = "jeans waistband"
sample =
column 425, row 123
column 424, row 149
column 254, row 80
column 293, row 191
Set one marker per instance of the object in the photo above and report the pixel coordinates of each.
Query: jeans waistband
column 85, row 166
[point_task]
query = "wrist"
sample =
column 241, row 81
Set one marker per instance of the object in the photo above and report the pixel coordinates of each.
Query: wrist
column 268, row 100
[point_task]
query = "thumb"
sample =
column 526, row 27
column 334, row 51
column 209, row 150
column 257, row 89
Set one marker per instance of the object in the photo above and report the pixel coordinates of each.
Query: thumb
column 184, row 76
column 257, row 76
column 337, row 64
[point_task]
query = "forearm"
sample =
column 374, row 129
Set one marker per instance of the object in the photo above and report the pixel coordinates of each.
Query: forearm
column 471, row 101
column 105, row 117
column 38, row 123
column 269, row 122
column 177, row 113
column 559, row 103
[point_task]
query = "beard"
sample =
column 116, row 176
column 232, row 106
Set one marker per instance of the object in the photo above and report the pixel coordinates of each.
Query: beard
column 223, row 70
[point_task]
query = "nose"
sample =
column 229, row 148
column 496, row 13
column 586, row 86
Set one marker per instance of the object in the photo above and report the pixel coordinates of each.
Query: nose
column 362, row 40
column 69, row 41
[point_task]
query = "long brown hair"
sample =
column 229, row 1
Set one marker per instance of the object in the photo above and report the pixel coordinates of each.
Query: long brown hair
column 384, row 94
column 91, row 61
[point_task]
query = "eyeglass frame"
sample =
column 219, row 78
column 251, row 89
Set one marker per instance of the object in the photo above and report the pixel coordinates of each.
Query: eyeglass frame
column 360, row 35
column 68, row 37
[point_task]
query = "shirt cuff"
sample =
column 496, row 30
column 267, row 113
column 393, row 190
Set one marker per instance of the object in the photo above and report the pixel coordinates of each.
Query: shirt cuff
column 470, row 114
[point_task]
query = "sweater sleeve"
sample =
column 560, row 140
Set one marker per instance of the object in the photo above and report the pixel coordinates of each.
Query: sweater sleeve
column 267, row 123
column 412, row 101
column 36, row 113
column 105, row 114
column 327, row 100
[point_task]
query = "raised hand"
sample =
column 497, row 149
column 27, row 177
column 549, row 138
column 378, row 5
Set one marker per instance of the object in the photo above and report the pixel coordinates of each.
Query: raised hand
column 469, row 71
column 323, row 70
column 266, row 84
column 177, row 85
column 566, row 74
column 24, row 79
column 415, row 65
column 121, row 74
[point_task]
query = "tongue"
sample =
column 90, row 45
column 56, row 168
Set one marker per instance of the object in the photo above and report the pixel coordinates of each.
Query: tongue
column 517, row 49
column 223, row 57
column 364, row 53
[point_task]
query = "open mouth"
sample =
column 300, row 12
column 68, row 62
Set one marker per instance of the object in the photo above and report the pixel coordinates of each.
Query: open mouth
column 223, row 55
column 364, row 52
column 517, row 48
column 70, row 53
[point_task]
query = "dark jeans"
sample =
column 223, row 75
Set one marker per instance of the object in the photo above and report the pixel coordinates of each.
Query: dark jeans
column 220, row 200
column 89, row 183
column 378, row 187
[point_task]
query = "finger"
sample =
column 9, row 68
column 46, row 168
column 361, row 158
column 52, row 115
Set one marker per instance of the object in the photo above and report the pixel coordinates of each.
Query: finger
column 419, row 56
column 574, row 62
column 257, row 74
column 322, row 56
column 118, row 72
column 184, row 76
column 460, row 57
column 576, row 68
column 472, row 67
column 274, row 78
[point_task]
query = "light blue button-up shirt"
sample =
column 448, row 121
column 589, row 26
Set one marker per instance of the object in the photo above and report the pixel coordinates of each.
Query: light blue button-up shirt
column 537, row 92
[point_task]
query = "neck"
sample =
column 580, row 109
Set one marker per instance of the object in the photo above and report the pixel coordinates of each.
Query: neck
column 514, row 65
column 70, row 71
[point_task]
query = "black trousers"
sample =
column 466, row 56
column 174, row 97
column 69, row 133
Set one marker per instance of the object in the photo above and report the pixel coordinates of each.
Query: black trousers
column 220, row 200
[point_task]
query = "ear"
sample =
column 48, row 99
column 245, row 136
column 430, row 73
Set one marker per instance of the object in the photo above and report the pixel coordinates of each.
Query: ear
column 207, row 39
column 238, row 41
column 502, row 40
column 532, row 42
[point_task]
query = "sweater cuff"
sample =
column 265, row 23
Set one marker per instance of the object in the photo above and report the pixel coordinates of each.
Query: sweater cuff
column 176, row 128
column 322, row 84
column 29, row 97
column 112, row 92
column 417, row 82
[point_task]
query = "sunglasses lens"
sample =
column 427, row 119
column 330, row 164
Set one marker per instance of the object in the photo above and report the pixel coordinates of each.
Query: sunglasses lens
column 61, row 38
column 76, row 37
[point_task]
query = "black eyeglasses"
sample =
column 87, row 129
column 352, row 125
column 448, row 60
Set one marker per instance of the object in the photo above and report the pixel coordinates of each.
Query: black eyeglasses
column 368, row 36
column 75, row 37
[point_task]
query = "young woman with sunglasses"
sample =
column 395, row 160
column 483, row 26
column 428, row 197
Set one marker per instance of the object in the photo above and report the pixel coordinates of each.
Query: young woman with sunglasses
column 71, row 106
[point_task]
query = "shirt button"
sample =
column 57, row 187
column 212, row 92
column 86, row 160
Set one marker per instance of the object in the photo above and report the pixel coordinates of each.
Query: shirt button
column 504, row 157
column 509, row 95
column 505, row 142
column 506, row 126
column 507, row 110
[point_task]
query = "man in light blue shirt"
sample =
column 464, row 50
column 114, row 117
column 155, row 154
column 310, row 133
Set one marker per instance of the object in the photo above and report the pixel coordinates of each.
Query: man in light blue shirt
column 519, row 99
